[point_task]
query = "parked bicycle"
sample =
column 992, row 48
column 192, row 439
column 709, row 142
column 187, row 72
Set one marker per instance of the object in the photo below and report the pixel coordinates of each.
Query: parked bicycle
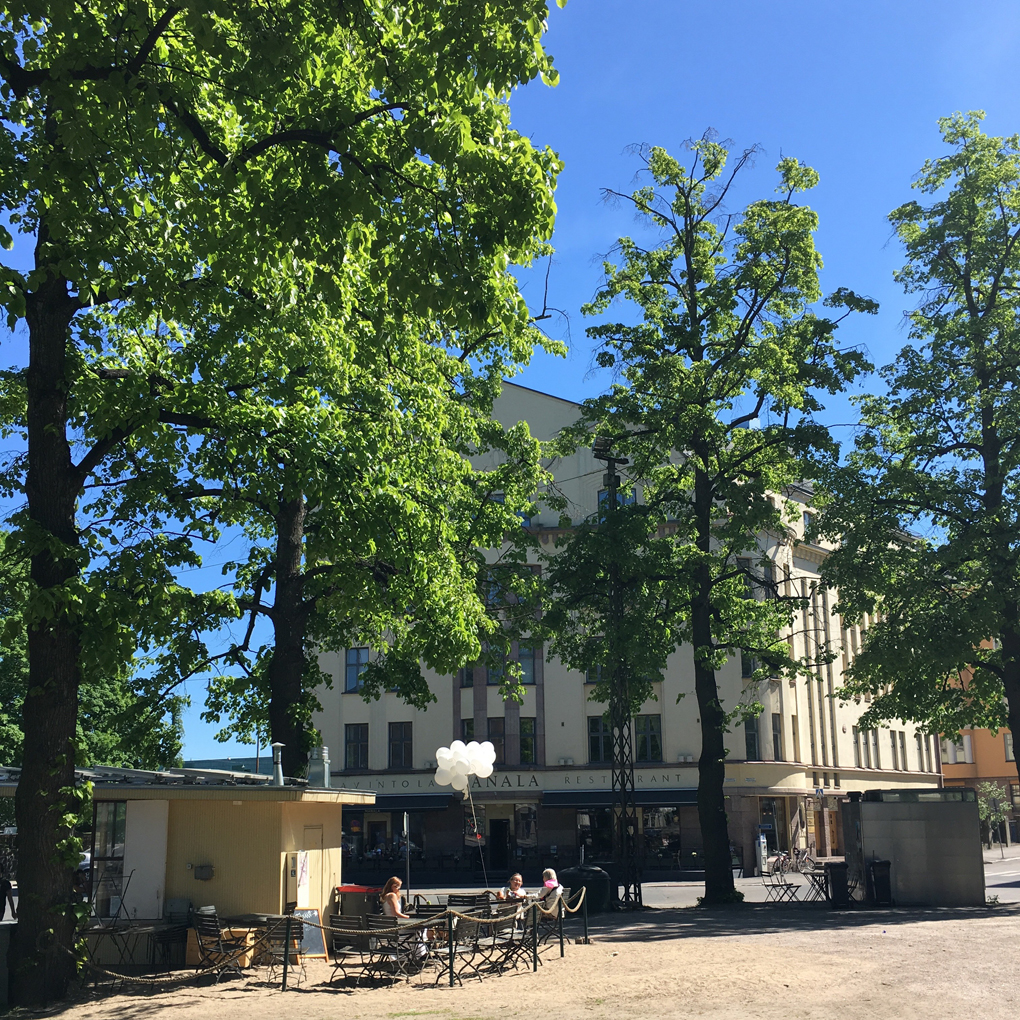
column 795, row 860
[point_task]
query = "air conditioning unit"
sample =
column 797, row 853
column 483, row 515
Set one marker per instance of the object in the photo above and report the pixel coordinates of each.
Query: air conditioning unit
column 688, row 758
column 564, row 761
column 430, row 764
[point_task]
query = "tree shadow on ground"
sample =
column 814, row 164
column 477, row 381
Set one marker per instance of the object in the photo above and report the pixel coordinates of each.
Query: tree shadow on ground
column 657, row 924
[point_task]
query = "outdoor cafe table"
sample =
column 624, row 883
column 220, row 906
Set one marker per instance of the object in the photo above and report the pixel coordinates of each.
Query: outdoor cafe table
column 116, row 945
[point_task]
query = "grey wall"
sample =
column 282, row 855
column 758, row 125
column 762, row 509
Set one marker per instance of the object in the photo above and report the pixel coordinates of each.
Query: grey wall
column 935, row 849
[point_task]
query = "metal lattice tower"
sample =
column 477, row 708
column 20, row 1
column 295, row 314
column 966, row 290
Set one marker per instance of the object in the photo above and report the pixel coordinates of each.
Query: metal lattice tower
column 625, row 826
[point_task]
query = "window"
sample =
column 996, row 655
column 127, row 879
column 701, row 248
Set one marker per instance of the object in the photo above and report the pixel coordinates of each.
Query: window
column 1014, row 794
column 496, row 732
column 109, row 823
column 903, row 751
column 648, row 738
column 892, row 741
column 593, row 676
column 748, row 664
column 467, row 730
column 1007, row 740
column 600, row 739
column 877, row 760
column 807, row 523
column 751, row 751
column 357, row 663
column 857, row 747
column 356, row 746
column 400, row 745
column 919, row 741
column 777, row 737
column 528, row 756
column 526, row 657
column 621, row 500
column 866, row 748
column 494, row 674
column 927, row 753
column 466, row 676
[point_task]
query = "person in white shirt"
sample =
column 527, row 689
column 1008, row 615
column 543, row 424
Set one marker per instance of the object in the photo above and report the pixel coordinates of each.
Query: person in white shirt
column 513, row 890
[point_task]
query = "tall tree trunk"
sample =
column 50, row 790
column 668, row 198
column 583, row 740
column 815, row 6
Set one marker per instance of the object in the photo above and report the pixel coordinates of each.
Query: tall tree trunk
column 711, row 765
column 290, row 618
column 40, row 956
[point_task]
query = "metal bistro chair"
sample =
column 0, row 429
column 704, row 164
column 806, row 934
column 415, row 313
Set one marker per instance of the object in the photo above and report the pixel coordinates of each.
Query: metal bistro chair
column 549, row 924
column 345, row 947
column 467, row 937
column 777, row 887
column 392, row 953
column 501, row 948
column 469, row 902
column 281, row 943
column 214, row 950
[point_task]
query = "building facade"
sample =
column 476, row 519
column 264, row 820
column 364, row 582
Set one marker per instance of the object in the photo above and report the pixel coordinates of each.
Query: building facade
column 984, row 757
column 550, row 796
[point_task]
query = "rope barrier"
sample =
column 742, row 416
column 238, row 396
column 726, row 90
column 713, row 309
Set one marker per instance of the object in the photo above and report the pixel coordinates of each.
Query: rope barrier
column 228, row 959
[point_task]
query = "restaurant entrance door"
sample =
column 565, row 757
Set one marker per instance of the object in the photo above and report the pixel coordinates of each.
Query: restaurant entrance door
column 499, row 843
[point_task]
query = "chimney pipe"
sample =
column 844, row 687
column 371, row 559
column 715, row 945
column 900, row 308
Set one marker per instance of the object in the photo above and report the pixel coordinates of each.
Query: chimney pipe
column 278, row 763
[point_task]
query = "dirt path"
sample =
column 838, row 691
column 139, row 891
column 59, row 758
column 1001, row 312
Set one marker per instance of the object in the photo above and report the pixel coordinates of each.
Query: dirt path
column 734, row 964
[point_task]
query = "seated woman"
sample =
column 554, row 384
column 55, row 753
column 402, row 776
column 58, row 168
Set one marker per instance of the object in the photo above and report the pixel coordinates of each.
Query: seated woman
column 551, row 889
column 513, row 890
column 390, row 898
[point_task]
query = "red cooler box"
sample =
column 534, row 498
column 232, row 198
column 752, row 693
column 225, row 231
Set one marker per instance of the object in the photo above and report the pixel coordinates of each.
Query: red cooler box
column 358, row 899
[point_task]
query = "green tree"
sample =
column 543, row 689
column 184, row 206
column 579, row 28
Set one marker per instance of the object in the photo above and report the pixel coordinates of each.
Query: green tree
column 719, row 383
column 121, row 720
column 237, row 158
column 366, row 524
column 992, row 810
column 926, row 506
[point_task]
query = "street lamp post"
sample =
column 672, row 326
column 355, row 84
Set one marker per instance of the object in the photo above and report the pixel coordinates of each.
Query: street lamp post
column 625, row 827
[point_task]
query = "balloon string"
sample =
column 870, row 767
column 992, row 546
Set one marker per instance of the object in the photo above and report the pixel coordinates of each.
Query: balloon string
column 478, row 838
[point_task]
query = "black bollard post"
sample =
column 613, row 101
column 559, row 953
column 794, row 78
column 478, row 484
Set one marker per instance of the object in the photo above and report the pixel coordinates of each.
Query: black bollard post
column 286, row 951
column 449, row 942
column 584, row 903
column 559, row 922
column 534, row 938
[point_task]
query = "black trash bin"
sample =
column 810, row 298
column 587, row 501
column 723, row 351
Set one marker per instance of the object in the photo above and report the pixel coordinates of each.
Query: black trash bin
column 836, row 885
column 594, row 880
column 881, row 883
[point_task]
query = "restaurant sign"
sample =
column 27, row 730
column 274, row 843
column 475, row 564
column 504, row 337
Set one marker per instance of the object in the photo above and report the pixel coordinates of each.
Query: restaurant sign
column 523, row 781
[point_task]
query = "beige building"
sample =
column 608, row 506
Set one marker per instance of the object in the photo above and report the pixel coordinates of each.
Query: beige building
column 166, row 841
column 551, row 791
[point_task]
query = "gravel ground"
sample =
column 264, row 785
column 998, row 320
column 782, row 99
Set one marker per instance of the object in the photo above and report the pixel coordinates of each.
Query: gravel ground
column 747, row 962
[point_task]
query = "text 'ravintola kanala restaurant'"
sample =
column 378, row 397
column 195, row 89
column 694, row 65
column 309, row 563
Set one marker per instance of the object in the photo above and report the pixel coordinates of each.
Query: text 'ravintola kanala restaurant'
column 788, row 769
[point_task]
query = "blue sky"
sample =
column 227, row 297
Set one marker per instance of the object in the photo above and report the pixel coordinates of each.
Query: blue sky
column 853, row 89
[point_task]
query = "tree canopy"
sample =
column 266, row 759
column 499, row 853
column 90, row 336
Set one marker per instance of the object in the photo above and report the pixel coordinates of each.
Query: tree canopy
column 215, row 163
column 926, row 505
column 719, row 384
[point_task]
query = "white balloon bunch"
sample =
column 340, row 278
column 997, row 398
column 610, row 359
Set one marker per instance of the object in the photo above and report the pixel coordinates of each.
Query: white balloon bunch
column 459, row 761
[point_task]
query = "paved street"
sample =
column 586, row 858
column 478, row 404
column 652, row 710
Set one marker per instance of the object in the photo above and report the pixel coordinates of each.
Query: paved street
column 1002, row 879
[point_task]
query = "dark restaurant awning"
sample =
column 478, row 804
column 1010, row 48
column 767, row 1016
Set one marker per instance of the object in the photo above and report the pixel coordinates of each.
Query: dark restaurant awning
column 604, row 798
column 410, row 802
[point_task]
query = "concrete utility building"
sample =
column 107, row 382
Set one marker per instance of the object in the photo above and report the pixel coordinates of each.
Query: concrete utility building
column 550, row 795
